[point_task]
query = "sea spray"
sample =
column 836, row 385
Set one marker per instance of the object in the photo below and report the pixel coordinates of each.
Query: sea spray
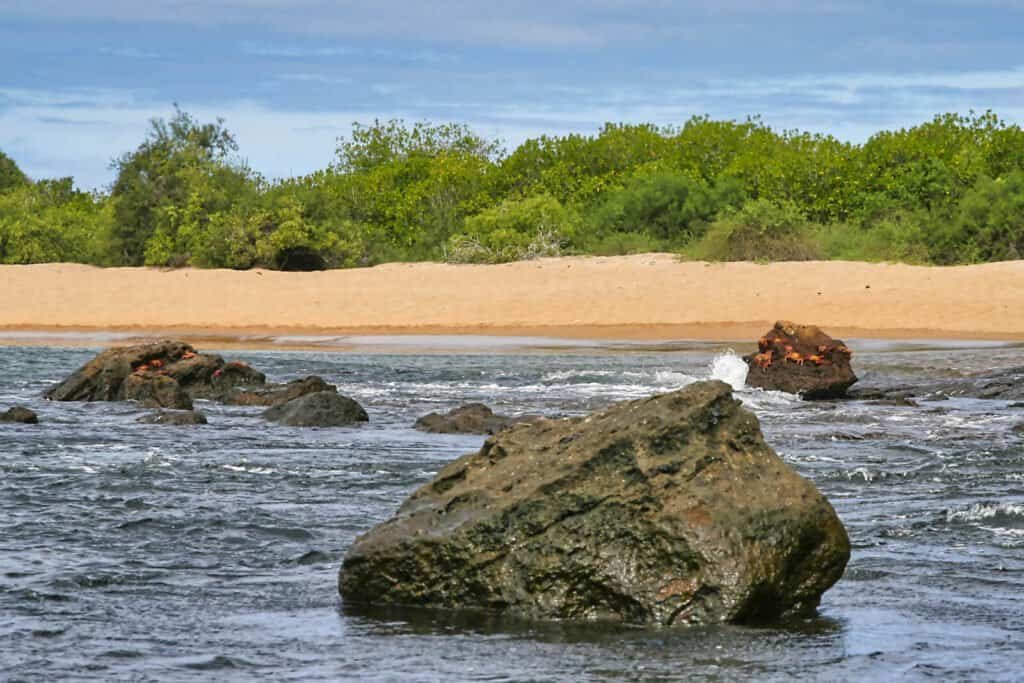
column 730, row 368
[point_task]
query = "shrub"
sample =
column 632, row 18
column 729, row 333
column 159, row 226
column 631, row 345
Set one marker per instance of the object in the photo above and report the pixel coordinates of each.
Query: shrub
column 513, row 231
column 988, row 224
column 760, row 231
column 665, row 205
column 899, row 237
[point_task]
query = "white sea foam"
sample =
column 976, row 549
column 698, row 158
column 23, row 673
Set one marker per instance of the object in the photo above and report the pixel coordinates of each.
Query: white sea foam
column 730, row 368
column 980, row 511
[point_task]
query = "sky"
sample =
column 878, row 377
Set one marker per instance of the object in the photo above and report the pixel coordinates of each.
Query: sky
column 80, row 79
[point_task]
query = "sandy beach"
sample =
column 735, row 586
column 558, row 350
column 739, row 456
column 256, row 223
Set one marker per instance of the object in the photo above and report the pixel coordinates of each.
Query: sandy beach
column 644, row 297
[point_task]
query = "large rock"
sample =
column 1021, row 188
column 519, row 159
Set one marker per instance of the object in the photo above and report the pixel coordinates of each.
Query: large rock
column 667, row 510
column 322, row 409
column 801, row 359
column 472, row 418
column 19, row 414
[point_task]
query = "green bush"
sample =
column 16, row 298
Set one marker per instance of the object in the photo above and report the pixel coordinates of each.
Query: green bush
column 667, row 206
column 515, row 230
column 900, row 237
column 49, row 221
column 988, row 224
column 759, row 231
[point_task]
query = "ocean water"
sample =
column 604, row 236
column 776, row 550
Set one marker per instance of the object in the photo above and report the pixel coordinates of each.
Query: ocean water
column 142, row 552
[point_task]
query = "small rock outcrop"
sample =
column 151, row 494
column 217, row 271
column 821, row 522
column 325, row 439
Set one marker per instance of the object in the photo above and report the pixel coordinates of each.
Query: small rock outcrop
column 472, row 418
column 19, row 414
column 321, row 409
column 801, row 359
column 277, row 393
column 178, row 418
column 667, row 510
column 166, row 374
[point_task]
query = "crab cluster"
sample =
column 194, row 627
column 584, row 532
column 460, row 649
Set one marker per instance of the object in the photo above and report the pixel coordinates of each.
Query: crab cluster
column 767, row 349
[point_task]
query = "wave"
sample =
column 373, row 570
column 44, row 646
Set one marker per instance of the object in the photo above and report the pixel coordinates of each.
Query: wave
column 986, row 511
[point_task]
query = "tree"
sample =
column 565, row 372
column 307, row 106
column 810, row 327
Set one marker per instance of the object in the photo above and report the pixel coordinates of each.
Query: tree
column 11, row 176
column 175, row 161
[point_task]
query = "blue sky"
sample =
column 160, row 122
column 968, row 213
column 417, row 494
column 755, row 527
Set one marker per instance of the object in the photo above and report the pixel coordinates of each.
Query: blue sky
column 82, row 78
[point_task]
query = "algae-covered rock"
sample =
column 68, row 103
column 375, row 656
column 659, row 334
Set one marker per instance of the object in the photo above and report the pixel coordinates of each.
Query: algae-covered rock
column 667, row 510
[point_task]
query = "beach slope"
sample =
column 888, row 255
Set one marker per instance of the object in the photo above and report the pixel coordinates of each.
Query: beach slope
column 651, row 296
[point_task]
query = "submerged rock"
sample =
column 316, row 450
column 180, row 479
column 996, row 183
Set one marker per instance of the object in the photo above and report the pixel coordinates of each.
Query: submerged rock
column 472, row 418
column 801, row 359
column 19, row 414
column 667, row 510
column 174, row 417
column 322, row 409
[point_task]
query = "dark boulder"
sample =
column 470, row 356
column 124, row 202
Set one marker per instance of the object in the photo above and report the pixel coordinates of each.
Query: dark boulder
column 174, row 417
column 472, row 418
column 273, row 394
column 667, row 510
column 801, row 359
column 19, row 414
column 322, row 409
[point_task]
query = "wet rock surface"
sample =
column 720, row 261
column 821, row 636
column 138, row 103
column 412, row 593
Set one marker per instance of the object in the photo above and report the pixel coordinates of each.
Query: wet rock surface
column 320, row 409
column 472, row 418
column 801, row 359
column 667, row 510
column 19, row 414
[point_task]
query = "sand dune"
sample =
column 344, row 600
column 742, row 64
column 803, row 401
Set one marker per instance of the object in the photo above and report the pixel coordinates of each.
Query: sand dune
column 651, row 296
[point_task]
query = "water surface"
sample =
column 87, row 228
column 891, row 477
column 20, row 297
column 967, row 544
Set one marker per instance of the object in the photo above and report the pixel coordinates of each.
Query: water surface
column 149, row 552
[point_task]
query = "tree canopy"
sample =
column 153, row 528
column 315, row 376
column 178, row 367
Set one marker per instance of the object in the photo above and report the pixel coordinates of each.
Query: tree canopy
column 950, row 190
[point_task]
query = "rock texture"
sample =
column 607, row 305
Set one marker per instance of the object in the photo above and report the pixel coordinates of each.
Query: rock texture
column 667, row 510
column 19, row 414
column 277, row 393
column 801, row 359
column 472, row 418
column 179, row 418
column 322, row 409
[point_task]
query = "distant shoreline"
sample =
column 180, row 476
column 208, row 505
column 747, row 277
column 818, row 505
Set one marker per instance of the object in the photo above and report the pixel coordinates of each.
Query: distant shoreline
column 642, row 298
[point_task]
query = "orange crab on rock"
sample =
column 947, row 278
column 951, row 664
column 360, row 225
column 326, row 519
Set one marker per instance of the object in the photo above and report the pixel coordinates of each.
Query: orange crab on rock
column 763, row 360
column 794, row 357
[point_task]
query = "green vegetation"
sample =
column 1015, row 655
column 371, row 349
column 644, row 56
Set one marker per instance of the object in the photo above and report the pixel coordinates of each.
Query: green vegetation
column 950, row 190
